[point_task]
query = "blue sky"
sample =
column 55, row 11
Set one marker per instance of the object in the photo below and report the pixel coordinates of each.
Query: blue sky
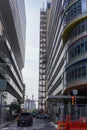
column 31, row 69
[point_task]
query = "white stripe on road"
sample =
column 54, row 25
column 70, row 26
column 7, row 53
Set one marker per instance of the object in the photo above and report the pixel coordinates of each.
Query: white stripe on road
column 8, row 128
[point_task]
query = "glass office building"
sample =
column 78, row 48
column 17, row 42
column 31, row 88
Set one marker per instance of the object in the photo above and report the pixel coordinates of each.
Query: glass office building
column 75, row 36
column 66, row 48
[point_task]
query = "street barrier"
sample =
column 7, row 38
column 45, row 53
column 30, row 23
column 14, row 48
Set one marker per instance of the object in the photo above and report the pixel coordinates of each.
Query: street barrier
column 72, row 125
column 73, row 117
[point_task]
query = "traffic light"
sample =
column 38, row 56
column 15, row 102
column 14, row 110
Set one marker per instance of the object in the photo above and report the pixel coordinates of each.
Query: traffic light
column 73, row 100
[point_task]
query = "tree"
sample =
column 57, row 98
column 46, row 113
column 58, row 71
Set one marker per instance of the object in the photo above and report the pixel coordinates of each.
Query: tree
column 14, row 107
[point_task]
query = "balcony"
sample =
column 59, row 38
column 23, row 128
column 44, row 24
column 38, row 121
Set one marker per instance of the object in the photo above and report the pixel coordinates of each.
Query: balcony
column 76, row 59
column 69, row 4
column 71, row 24
column 76, row 84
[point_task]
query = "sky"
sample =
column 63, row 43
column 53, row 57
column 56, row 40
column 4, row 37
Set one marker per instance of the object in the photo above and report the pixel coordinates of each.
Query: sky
column 31, row 68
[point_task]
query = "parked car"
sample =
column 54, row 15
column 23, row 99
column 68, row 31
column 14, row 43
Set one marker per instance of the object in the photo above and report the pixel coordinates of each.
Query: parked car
column 25, row 118
column 39, row 116
column 46, row 116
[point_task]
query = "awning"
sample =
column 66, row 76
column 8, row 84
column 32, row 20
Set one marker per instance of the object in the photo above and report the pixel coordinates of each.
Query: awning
column 62, row 98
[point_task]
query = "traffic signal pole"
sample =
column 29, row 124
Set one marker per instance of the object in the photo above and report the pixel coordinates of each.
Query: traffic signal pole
column 75, row 92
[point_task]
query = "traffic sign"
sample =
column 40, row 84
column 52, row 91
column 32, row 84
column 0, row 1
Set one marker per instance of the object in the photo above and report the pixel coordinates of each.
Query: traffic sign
column 75, row 91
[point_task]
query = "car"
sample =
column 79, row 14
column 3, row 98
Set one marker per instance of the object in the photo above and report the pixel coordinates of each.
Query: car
column 39, row 116
column 25, row 118
column 46, row 116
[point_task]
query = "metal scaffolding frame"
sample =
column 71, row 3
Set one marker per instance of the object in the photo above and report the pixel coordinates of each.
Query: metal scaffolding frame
column 42, row 60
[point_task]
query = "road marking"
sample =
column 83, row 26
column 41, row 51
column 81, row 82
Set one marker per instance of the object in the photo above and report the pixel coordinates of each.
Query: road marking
column 8, row 128
column 5, row 128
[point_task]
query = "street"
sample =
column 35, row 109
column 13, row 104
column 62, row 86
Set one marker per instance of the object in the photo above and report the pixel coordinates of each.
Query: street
column 38, row 124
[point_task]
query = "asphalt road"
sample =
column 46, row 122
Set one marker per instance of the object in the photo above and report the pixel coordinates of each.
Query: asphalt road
column 38, row 124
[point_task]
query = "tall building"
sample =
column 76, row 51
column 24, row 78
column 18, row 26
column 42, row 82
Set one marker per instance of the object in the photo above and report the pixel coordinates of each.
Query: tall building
column 75, row 39
column 66, row 46
column 55, row 55
column 30, row 104
column 12, row 49
column 42, row 57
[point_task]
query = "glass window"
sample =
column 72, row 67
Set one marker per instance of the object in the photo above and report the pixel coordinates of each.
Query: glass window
column 73, row 11
column 85, row 22
column 82, row 47
column 77, row 71
column 86, row 46
column 78, row 29
column 83, row 70
column 77, row 48
column 82, row 27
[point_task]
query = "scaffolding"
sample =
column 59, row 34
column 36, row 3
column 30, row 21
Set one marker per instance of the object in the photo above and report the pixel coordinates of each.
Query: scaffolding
column 42, row 61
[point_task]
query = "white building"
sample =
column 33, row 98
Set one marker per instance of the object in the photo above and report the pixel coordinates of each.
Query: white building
column 29, row 104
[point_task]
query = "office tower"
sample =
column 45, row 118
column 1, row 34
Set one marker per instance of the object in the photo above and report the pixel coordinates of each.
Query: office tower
column 75, row 40
column 55, row 55
column 66, row 52
column 12, row 49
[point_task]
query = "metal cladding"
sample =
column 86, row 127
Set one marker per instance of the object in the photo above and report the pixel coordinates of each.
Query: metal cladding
column 14, row 21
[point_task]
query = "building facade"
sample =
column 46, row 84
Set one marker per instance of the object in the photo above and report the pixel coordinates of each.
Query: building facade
column 42, row 60
column 12, row 50
column 75, row 38
column 42, row 57
column 66, row 52
column 30, row 104
column 55, row 66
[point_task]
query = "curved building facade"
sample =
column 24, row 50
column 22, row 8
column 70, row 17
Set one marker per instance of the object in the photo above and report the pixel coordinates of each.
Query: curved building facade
column 66, row 52
column 75, row 36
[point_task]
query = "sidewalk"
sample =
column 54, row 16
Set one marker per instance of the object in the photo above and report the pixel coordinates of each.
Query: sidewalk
column 5, row 124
